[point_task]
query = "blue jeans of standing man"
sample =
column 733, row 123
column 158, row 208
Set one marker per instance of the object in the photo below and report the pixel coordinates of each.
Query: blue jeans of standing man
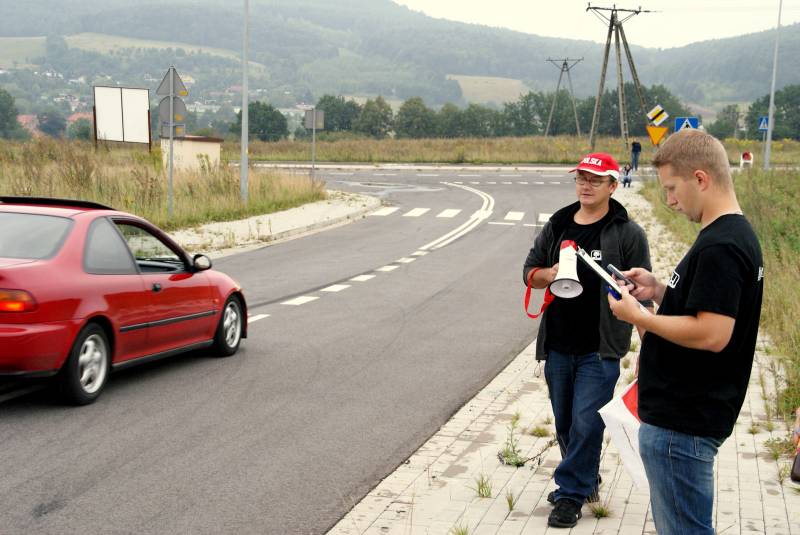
column 579, row 385
column 635, row 160
column 680, row 471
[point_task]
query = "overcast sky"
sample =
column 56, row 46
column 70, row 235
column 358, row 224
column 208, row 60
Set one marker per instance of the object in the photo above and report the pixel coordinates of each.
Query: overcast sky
column 675, row 22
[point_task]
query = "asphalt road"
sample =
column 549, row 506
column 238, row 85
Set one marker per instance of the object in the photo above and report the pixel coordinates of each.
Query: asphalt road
column 327, row 396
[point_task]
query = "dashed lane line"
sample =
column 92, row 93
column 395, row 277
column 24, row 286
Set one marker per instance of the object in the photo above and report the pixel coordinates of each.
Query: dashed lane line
column 390, row 267
column 501, row 223
column 336, row 288
column 362, row 278
column 256, row 317
column 406, row 260
column 302, row 300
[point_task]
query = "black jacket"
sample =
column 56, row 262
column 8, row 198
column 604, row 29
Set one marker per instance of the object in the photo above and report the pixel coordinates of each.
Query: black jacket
column 623, row 243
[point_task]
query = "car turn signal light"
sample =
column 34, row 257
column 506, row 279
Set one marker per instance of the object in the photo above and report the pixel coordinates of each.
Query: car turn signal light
column 16, row 301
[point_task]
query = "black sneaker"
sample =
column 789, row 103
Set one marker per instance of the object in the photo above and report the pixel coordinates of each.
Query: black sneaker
column 594, row 497
column 565, row 514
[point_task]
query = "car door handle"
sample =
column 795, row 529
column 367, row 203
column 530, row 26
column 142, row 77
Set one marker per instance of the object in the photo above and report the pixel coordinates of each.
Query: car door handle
column 156, row 287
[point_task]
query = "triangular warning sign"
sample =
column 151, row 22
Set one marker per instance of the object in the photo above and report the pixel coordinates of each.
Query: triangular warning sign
column 764, row 124
column 686, row 124
column 656, row 133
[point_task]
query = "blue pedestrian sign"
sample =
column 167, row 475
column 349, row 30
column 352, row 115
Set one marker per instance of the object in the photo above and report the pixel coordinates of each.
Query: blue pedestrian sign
column 681, row 123
column 763, row 123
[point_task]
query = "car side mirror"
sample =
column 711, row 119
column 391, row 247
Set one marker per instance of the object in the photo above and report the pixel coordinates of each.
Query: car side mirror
column 201, row 262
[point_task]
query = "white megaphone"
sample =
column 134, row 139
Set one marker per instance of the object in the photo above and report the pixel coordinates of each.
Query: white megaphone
column 566, row 283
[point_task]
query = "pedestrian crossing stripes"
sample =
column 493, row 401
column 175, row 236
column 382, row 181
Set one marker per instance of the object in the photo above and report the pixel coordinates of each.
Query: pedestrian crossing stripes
column 450, row 212
column 416, row 212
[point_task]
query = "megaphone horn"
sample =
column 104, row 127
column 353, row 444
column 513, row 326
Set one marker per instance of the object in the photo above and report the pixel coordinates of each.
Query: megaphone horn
column 566, row 283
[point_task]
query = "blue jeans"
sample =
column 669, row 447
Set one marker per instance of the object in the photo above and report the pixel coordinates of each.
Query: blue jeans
column 635, row 160
column 579, row 385
column 680, row 471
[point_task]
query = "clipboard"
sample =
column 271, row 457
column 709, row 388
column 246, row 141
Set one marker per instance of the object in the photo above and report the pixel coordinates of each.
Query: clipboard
column 602, row 273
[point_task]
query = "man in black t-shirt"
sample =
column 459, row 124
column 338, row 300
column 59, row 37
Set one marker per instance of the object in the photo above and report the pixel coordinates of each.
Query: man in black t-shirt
column 579, row 338
column 636, row 150
column 697, row 351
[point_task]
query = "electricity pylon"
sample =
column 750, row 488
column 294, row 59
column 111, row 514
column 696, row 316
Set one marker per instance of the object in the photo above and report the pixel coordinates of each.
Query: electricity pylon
column 615, row 28
column 564, row 68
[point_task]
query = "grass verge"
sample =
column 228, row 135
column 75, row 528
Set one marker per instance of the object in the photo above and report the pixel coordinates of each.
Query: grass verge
column 135, row 181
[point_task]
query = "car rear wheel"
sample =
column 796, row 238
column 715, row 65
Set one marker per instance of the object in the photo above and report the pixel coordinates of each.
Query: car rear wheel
column 85, row 373
column 230, row 328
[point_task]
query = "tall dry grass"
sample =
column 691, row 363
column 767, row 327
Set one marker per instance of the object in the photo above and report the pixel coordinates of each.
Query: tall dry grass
column 769, row 201
column 135, row 181
column 505, row 150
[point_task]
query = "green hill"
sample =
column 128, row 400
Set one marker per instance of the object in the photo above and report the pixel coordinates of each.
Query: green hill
column 370, row 47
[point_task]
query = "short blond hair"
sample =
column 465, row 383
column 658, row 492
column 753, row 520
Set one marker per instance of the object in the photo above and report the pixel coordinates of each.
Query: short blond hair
column 690, row 150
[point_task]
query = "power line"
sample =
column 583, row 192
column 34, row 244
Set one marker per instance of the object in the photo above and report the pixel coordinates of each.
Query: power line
column 566, row 65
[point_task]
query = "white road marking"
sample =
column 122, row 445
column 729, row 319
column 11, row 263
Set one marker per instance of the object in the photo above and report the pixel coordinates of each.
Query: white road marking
column 544, row 218
column 474, row 182
column 456, row 182
column 425, row 174
column 406, row 260
column 341, row 174
column 253, row 319
column 336, row 288
column 387, row 268
column 501, row 223
column 450, row 212
column 419, row 253
column 474, row 220
column 510, row 175
column 491, row 182
column 384, row 174
column 522, row 183
column 552, row 176
column 539, row 183
column 463, row 176
column 416, row 212
column 386, row 210
column 531, row 225
column 302, row 300
column 507, row 183
column 514, row 216
column 556, row 182
column 362, row 278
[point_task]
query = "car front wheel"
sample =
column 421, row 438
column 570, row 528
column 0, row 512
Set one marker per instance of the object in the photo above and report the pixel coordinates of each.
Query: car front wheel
column 85, row 373
column 229, row 330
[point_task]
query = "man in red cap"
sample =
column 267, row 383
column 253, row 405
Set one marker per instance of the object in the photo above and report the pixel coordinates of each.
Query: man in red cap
column 579, row 338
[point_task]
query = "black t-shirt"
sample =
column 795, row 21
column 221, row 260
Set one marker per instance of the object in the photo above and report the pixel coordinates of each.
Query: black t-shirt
column 573, row 325
column 690, row 390
column 636, row 147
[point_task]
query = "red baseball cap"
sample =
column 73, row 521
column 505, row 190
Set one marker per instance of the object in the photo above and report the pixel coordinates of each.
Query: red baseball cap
column 599, row 163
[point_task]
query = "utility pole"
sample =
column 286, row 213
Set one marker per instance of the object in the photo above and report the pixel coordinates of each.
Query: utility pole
column 564, row 68
column 243, row 162
column 615, row 27
column 771, row 112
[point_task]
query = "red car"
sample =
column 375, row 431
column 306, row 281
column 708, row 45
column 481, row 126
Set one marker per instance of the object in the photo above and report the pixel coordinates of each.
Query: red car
column 85, row 289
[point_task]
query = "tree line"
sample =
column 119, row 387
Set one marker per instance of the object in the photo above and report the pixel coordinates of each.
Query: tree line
column 414, row 119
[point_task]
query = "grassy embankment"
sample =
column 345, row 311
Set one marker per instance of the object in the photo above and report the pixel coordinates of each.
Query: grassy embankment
column 135, row 181
column 769, row 201
column 509, row 150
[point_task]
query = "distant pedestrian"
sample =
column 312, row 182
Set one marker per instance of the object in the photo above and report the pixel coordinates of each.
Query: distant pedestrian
column 697, row 353
column 636, row 149
column 627, row 176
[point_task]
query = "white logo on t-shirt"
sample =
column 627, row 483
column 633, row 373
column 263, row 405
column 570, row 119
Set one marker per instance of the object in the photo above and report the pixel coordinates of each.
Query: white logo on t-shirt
column 597, row 255
column 673, row 280
column 760, row 273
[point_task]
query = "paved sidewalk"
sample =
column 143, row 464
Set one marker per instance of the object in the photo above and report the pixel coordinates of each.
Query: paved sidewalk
column 229, row 237
column 435, row 490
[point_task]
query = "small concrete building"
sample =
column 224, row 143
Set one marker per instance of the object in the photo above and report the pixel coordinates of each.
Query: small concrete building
column 192, row 152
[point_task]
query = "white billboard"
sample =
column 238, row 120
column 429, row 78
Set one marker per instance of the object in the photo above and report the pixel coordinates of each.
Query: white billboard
column 122, row 114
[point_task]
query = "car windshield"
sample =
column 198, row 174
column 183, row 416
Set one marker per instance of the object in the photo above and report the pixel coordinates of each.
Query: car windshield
column 31, row 236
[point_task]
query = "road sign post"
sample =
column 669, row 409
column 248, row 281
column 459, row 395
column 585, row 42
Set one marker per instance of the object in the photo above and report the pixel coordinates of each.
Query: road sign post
column 172, row 88
column 313, row 119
